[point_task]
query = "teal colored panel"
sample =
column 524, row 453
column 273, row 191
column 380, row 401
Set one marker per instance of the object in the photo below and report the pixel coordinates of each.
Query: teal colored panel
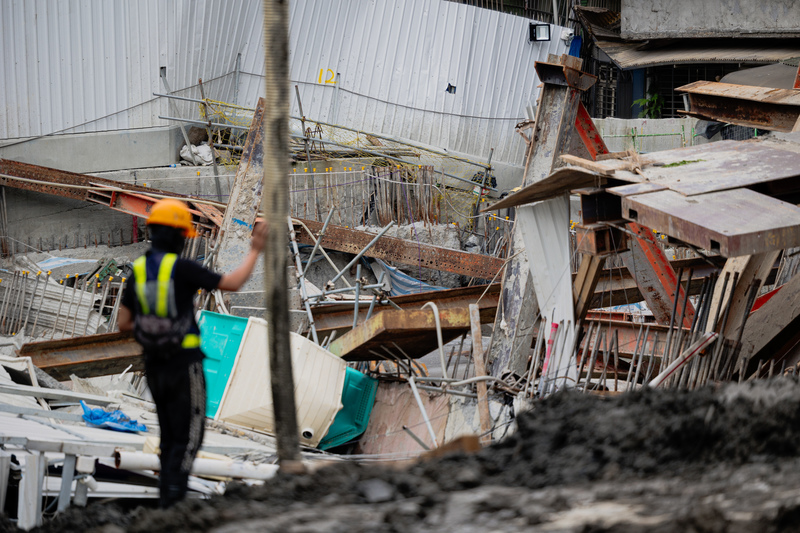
column 220, row 337
column 358, row 397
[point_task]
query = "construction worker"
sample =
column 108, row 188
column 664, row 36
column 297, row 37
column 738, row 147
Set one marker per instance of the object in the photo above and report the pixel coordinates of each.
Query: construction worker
column 157, row 305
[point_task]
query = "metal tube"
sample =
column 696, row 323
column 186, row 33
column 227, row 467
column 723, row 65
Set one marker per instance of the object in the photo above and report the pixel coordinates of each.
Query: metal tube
column 378, row 154
column 641, row 356
column 358, row 295
column 363, row 251
column 163, row 74
column 201, row 123
column 375, row 298
column 704, row 341
column 318, row 241
column 597, row 340
column 203, row 467
column 442, row 360
column 422, row 409
column 210, row 142
column 302, row 281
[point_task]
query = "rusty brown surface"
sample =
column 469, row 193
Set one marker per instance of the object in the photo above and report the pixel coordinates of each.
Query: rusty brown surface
column 762, row 107
column 403, row 251
column 731, row 223
column 88, row 356
column 413, row 331
column 339, row 317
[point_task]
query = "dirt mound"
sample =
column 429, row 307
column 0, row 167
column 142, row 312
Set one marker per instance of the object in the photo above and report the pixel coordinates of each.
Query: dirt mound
column 662, row 442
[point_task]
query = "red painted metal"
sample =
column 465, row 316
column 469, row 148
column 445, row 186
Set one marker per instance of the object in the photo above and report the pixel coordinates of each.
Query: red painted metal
column 660, row 286
column 585, row 127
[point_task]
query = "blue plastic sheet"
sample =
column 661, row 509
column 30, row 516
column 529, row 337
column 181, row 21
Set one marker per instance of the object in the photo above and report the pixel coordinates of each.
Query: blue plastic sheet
column 116, row 420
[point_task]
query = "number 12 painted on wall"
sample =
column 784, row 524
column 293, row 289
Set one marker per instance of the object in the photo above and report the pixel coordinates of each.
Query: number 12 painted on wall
column 331, row 76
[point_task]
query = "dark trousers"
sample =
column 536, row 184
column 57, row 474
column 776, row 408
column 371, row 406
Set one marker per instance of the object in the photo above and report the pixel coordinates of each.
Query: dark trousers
column 179, row 391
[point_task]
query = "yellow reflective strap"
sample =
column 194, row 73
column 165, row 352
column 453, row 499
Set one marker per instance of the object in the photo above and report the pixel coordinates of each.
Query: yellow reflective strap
column 191, row 340
column 140, row 275
column 164, row 276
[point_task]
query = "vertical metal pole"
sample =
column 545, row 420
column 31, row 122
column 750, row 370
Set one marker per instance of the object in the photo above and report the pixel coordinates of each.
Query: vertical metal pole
column 275, row 206
column 210, row 141
column 183, row 129
column 236, row 79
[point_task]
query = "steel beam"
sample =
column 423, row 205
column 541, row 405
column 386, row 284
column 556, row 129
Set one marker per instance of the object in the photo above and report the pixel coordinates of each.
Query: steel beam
column 88, row 356
column 655, row 276
column 404, row 251
column 339, row 317
column 755, row 107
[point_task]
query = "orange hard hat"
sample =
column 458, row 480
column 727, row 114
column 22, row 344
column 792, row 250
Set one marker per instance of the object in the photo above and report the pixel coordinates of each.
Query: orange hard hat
column 174, row 213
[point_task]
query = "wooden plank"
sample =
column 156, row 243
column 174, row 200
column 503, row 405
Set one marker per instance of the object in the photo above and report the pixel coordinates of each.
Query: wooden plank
column 559, row 182
column 585, row 283
column 480, row 371
column 587, row 164
column 413, row 331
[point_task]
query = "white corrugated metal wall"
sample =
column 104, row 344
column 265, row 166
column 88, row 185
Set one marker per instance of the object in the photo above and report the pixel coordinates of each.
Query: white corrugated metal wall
column 92, row 65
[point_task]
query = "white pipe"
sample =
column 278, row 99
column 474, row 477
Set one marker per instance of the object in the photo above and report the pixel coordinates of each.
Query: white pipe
column 200, row 467
column 699, row 345
column 422, row 408
column 438, row 337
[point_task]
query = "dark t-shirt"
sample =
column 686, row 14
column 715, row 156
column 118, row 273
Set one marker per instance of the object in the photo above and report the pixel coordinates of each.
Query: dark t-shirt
column 189, row 277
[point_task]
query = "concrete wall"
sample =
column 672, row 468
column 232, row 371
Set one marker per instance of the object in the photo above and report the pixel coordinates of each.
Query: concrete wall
column 98, row 152
column 709, row 18
column 46, row 222
column 648, row 135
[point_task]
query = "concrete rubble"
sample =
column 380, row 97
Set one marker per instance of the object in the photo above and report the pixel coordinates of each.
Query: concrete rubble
column 562, row 356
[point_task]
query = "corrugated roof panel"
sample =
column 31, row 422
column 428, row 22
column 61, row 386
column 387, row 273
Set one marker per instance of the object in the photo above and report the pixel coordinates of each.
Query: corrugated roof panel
column 92, row 65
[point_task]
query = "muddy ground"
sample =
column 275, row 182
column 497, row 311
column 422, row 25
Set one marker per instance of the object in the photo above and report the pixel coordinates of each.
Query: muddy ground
column 717, row 459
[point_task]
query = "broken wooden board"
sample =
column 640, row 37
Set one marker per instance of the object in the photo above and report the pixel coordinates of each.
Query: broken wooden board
column 713, row 167
column 559, row 182
column 86, row 357
column 731, row 223
column 414, row 332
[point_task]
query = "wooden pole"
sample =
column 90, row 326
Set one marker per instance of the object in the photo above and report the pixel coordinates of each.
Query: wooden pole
column 480, row 371
column 275, row 201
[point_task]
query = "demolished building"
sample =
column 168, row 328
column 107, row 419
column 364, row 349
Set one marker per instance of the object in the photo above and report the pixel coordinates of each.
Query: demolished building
column 415, row 320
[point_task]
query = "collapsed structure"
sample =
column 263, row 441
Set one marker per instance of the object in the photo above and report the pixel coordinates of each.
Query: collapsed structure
column 425, row 306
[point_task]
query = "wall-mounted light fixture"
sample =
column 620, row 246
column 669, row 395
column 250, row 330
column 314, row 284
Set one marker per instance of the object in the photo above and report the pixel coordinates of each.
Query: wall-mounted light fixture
column 539, row 32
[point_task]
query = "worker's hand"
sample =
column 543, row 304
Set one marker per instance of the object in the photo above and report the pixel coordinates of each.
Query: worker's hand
column 259, row 239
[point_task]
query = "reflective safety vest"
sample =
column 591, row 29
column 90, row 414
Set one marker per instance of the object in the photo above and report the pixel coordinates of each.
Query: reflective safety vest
column 157, row 297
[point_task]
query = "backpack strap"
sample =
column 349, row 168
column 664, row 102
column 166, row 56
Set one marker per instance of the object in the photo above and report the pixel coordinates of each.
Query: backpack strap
column 140, row 277
column 164, row 277
column 162, row 284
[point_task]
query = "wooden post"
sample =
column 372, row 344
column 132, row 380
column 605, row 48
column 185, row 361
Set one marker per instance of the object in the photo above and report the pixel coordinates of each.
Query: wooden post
column 275, row 200
column 480, row 371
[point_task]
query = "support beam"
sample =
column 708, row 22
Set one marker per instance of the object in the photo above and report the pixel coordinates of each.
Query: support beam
column 29, row 505
column 655, row 276
column 744, row 105
column 585, row 283
column 404, row 251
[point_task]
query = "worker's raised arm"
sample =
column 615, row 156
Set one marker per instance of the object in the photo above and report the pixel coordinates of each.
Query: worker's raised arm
column 233, row 281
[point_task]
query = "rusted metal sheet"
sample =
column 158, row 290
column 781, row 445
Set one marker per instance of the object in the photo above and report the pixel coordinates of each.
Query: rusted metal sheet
column 588, row 133
column 757, row 107
column 339, row 317
column 632, row 55
column 657, row 280
column 731, row 223
column 123, row 197
column 412, row 253
column 413, row 331
column 88, row 356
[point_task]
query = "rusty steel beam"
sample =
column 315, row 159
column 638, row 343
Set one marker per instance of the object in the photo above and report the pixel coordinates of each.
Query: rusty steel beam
column 126, row 198
column 414, row 331
column 339, row 317
column 411, row 253
column 755, row 107
column 86, row 357
column 588, row 133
